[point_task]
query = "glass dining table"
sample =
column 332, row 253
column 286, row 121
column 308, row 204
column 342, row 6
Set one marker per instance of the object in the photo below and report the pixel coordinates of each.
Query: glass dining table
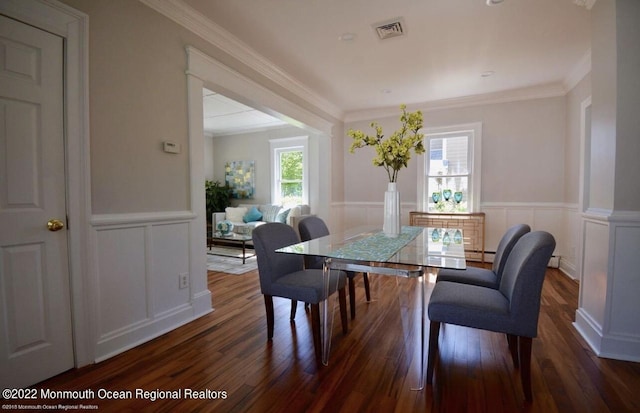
column 368, row 249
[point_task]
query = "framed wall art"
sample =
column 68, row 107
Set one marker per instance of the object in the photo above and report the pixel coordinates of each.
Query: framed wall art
column 240, row 176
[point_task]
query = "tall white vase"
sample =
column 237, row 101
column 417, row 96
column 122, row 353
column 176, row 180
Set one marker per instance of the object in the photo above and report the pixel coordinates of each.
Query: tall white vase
column 391, row 226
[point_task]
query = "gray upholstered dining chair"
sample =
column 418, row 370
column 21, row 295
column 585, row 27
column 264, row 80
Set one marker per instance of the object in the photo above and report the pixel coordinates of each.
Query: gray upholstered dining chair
column 283, row 275
column 512, row 309
column 485, row 277
column 312, row 227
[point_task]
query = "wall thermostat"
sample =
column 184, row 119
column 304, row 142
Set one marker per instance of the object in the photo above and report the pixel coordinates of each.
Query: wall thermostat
column 171, row 147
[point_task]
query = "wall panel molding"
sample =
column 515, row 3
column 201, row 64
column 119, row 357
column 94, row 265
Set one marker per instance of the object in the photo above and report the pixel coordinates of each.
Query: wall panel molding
column 140, row 218
column 607, row 307
column 559, row 219
column 137, row 260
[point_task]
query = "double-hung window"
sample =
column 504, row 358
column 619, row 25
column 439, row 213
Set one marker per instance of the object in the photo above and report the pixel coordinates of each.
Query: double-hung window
column 452, row 169
column 289, row 171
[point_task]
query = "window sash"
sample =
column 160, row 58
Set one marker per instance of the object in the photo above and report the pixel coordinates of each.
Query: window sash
column 280, row 147
column 462, row 175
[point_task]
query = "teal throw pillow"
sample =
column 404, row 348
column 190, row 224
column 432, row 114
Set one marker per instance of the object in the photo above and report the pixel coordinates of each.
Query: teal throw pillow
column 252, row 215
column 270, row 212
column 282, row 216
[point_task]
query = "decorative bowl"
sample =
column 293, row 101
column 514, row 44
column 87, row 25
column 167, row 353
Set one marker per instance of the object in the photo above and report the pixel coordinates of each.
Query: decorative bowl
column 225, row 227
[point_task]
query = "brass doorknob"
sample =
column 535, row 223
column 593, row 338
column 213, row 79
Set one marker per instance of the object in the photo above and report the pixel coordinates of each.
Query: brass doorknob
column 55, row 225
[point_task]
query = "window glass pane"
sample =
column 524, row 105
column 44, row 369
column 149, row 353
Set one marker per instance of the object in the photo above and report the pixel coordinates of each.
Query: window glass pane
column 291, row 193
column 436, row 166
column 291, row 166
column 291, row 176
column 455, row 154
column 449, row 156
column 448, row 194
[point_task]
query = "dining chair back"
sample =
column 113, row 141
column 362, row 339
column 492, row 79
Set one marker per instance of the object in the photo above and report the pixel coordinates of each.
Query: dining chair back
column 283, row 275
column 483, row 276
column 313, row 227
column 512, row 309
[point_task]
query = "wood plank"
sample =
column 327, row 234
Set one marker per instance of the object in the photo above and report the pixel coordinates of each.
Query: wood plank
column 372, row 368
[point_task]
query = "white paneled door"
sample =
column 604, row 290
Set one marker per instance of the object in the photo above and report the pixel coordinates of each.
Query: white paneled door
column 35, row 314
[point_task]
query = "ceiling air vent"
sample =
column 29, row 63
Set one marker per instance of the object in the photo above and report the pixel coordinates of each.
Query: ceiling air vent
column 389, row 29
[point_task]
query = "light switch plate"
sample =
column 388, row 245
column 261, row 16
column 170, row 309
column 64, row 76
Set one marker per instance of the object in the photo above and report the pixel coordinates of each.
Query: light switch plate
column 171, row 147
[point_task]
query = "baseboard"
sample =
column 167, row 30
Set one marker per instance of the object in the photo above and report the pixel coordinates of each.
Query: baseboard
column 554, row 262
column 118, row 342
column 606, row 345
column 568, row 268
column 201, row 304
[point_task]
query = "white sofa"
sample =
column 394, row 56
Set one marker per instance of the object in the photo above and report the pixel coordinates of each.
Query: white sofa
column 269, row 213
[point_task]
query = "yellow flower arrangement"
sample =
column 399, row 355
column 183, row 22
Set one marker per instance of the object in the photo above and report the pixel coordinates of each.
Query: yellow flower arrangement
column 394, row 152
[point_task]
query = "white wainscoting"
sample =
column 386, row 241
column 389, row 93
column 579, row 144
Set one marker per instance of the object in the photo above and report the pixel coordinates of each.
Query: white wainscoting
column 561, row 220
column 608, row 306
column 590, row 316
column 137, row 261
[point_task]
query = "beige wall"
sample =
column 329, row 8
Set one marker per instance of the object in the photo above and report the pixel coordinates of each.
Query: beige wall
column 616, row 97
column 575, row 97
column 603, row 114
column 250, row 147
column 628, row 103
column 337, row 163
column 522, row 153
column 208, row 158
column 138, row 99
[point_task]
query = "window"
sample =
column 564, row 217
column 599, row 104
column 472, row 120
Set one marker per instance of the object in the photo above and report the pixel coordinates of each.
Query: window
column 450, row 179
column 289, row 169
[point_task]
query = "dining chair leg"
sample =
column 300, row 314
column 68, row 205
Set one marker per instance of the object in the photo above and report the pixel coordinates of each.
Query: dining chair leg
column 513, row 349
column 524, row 344
column 268, row 304
column 352, row 297
column 315, row 329
column 367, row 289
column 294, row 307
column 434, row 331
column 342, row 297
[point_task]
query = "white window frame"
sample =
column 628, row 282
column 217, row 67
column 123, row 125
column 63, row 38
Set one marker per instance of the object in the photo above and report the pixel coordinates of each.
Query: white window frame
column 284, row 145
column 474, row 131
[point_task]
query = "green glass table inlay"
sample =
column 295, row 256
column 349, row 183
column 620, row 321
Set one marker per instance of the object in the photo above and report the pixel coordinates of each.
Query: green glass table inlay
column 377, row 247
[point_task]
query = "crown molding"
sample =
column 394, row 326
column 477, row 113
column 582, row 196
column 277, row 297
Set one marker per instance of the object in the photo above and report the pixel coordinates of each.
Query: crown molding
column 513, row 95
column 197, row 23
column 580, row 70
column 200, row 25
column 219, row 76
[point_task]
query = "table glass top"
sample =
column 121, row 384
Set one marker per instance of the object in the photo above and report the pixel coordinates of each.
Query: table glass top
column 416, row 246
column 232, row 236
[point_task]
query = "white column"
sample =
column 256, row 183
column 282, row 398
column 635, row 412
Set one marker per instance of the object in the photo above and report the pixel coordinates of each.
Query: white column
column 609, row 299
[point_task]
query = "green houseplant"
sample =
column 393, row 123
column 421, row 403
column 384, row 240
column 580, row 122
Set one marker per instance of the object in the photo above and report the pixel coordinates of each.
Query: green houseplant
column 218, row 197
column 394, row 152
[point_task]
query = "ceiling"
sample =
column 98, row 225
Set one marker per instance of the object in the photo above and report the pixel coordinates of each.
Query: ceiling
column 447, row 47
column 223, row 116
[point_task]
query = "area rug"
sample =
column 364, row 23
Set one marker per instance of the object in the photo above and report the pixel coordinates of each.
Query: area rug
column 230, row 263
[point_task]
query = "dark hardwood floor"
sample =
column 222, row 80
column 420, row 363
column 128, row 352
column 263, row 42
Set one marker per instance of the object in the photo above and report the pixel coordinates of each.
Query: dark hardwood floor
column 372, row 368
